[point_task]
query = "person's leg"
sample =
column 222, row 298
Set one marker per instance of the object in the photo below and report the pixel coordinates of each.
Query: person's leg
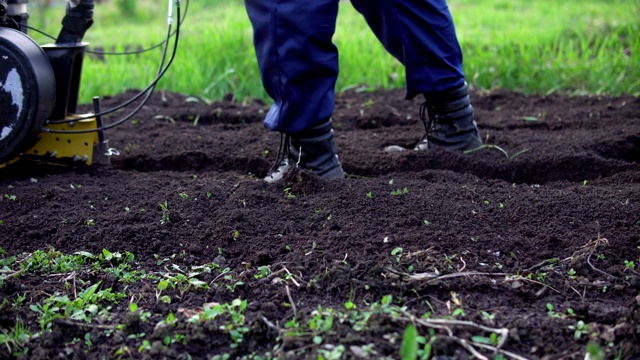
column 297, row 59
column 299, row 65
column 421, row 34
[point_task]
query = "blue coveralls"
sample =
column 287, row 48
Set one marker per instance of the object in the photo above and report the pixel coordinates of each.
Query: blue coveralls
column 299, row 62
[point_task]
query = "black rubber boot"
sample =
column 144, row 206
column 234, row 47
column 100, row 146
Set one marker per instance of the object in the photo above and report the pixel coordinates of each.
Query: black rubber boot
column 313, row 149
column 450, row 123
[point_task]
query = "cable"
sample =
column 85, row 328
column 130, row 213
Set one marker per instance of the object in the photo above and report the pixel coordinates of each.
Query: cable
column 40, row 32
column 137, row 52
column 137, row 96
column 148, row 91
column 97, row 52
column 150, row 87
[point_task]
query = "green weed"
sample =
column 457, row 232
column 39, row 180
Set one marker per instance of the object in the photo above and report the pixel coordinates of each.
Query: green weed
column 164, row 207
column 15, row 339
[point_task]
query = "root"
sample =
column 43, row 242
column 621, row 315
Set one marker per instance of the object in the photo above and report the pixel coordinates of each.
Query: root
column 431, row 277
column 587, row 250
column 84, row 325
column 293, row 304
column 469, row 345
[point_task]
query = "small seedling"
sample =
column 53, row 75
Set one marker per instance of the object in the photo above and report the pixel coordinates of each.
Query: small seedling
column 288, row 192
column 18, row 301
column 580, row 328
column 491, row 340
column 400, row 191
column 15, row 340
column 397, row 252
column 449, row 259
column 530, row 118
column 496, row 147
column 595, row 352
column 409, row 347
column 488, row 316
column 165, row 213
column 458, row 312
column 146, row 346
column 184, row 196
column 552, row 313
column 349, row 305
column 263, row 271
column 162, row 286
column 541, row 277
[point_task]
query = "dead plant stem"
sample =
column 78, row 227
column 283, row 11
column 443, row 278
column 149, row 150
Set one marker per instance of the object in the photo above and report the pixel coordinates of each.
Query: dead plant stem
column 293, row 305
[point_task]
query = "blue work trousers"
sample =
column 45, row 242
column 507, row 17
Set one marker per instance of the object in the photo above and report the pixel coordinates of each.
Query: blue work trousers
column 299, row 63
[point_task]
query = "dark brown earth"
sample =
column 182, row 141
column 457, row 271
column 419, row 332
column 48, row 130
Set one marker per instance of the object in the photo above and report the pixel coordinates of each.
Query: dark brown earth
column 549, row 218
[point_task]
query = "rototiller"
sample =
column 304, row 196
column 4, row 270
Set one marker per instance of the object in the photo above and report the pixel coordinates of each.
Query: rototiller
column 39, row 88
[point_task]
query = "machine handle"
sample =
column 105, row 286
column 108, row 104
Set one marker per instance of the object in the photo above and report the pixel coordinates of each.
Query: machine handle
column 77, row 20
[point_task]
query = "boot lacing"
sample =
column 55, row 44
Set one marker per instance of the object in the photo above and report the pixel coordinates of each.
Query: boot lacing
column 283, row 151
column 428, row 117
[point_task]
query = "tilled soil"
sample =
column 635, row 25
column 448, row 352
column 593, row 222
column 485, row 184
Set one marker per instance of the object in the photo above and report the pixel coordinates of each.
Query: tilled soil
column 536, row 237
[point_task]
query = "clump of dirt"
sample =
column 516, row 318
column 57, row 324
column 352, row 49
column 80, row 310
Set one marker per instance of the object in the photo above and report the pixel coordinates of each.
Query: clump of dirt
column 300, row 182
column 530, row 245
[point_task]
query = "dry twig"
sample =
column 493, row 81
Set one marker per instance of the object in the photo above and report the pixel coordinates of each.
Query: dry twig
column 471, row 346
column 293, row 305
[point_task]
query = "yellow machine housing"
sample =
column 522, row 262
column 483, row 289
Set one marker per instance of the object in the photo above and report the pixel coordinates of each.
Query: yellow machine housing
column 68, row 148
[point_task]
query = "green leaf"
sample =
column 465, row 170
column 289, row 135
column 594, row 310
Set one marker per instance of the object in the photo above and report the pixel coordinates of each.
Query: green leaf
column 163, row 284
column 328, row 324
column 595, row 351
column 93, row 309
column 387, row 299
column 85, row 254
column 197, row 283
column 481, row 339
column 349, row 305
column 107, row 254
column 88, row 293
column 409, row 348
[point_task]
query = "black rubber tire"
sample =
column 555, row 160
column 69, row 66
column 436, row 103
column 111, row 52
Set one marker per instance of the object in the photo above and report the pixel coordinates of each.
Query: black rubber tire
column 27, row 92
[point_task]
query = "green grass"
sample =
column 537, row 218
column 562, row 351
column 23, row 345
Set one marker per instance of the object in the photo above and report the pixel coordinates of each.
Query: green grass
column 543, row 46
